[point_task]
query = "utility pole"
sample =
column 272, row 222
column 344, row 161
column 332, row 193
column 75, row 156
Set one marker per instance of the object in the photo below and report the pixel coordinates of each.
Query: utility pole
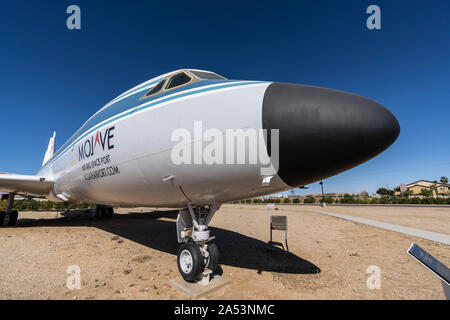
column 323, row 196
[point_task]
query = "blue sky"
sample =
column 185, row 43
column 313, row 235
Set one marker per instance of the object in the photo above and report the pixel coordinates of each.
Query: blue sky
column 52, row 78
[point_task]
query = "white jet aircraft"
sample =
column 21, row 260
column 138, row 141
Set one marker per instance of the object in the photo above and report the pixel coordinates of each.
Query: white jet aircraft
column 165, row 143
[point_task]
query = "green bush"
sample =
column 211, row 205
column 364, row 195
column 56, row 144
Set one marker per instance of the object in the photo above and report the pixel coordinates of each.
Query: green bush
column 427, row 201
column 347, row 199
column 329, row 200
column 415, row 200
column 296, row 200
column 309, row 200
column 286, row 200
column 384, row 200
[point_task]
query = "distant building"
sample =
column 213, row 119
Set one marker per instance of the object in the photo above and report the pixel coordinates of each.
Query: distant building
column 438, row 189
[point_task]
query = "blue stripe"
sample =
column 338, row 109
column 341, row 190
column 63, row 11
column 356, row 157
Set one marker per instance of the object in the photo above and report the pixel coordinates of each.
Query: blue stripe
column 145, row 104
column 135, row 100
column 139, row 88
column 118, row 107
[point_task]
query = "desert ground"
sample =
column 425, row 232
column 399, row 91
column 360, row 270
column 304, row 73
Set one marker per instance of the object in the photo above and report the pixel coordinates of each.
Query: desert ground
column 133, row 255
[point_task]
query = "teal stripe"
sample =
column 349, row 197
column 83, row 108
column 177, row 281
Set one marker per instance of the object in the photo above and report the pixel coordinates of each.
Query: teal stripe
column 145, row 106
column 135, row 90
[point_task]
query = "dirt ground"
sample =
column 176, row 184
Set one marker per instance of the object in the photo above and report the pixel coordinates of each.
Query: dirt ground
column 133, row 255
column 424, row 218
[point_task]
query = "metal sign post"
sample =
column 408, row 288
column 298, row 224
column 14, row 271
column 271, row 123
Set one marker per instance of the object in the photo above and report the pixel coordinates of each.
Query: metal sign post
column 279, row 223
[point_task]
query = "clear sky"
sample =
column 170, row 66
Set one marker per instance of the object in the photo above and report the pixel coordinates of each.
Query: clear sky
column 52, row 78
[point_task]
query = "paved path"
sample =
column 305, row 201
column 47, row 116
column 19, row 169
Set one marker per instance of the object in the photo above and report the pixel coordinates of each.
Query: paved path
column 434, row 236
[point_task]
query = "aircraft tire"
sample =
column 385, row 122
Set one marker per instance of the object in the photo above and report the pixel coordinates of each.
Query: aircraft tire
column 99, row 212
column 109, row 212
column 13, row 218
column 213, row 259
column 190, row 261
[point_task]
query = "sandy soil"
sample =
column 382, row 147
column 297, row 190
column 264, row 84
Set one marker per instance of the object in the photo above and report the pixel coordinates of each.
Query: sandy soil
column 133, row 255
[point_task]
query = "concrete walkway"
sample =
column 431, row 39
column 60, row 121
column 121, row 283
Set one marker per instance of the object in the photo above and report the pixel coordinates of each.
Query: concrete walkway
column 433, row 236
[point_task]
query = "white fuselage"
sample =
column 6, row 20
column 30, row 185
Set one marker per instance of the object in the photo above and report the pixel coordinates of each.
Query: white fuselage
column 126, row 159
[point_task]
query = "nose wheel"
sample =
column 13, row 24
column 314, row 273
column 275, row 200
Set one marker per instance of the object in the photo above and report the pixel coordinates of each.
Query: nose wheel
column 198, row 254
column 212, row 262
column 192, row 260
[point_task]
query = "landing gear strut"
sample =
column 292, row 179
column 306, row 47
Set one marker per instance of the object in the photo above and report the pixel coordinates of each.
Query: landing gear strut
column 198, row 254
column 9, row 217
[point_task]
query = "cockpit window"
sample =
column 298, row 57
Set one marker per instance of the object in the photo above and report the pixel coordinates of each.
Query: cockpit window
column 156, row 88
column 178, row 80
column 206, row 75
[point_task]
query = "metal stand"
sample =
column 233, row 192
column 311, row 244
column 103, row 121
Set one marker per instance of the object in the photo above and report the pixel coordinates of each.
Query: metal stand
column 206, row 277
column 279, row 223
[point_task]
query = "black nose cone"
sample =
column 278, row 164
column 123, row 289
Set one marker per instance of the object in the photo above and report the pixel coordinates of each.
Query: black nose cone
column 323, row 132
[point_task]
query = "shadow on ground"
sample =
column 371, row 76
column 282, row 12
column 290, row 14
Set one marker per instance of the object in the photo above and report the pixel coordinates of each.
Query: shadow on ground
column 150, row 230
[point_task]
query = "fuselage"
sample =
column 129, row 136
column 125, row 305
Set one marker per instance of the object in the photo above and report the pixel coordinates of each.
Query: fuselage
column 124, row 153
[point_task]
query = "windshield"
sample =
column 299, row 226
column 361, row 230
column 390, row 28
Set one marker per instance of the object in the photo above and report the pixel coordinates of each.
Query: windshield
column 156, row 88
column 178, row 80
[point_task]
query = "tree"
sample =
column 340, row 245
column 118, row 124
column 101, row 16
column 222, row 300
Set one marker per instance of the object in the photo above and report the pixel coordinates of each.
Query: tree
column 406, row 194
column 426, row 192
column 444, row 180
column 385, row 192
column 433, row 188
column 364, row 194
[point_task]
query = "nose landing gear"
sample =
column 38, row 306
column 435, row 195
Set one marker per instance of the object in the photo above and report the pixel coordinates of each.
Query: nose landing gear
column 198, row 254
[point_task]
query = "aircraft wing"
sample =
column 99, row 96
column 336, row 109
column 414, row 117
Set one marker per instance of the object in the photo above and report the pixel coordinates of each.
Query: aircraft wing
column 25, row 184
